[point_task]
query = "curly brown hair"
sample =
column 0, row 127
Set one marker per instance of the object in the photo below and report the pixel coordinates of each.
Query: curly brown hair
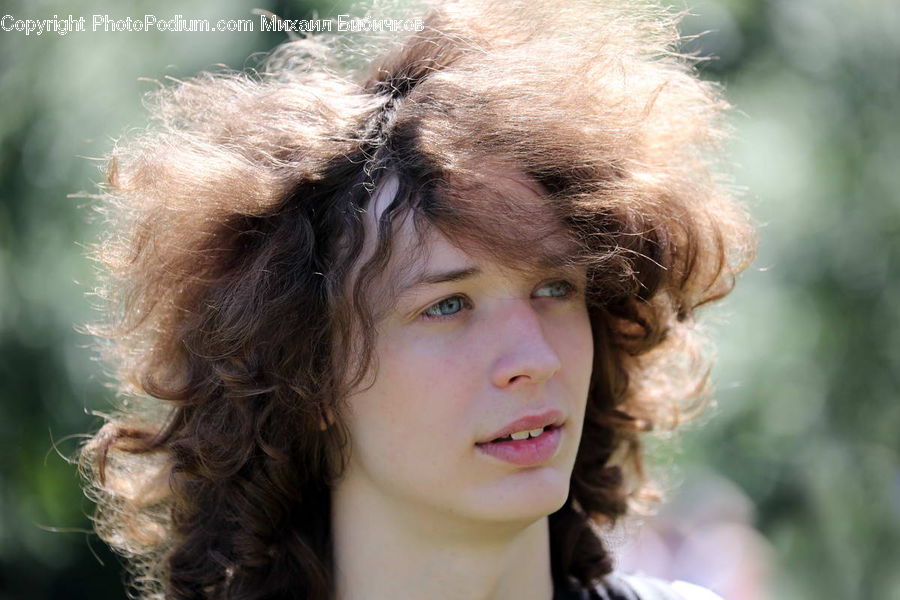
column 234, row 231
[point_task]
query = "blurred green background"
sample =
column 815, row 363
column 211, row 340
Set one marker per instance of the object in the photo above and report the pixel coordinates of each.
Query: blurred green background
column 793, row 478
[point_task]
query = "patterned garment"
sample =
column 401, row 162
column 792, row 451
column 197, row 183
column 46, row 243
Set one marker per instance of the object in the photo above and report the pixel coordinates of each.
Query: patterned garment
column 618, row 586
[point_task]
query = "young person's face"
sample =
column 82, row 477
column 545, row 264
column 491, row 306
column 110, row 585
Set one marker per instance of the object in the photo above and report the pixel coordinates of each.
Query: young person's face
column 458, row 361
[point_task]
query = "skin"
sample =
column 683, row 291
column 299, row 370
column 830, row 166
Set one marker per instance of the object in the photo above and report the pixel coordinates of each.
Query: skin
column 420, row 511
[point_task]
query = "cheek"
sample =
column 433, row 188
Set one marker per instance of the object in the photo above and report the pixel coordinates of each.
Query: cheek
column 576, row 348
column 418, row 401
column 586, row 336
column 575, row 341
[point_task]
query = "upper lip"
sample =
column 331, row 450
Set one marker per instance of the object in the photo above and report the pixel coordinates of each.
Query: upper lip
column 540, row 420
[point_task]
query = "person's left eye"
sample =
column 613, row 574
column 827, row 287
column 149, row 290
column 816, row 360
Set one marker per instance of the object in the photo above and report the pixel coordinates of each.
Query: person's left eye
column 451, row 306
column 565, row 287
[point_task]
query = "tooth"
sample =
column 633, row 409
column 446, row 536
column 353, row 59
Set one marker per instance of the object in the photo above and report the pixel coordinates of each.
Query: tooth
column 522, row 435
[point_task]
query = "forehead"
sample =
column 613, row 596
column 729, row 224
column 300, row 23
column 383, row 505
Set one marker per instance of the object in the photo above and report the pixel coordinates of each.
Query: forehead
column 495, row 218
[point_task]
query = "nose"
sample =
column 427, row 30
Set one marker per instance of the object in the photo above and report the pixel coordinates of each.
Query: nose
column 525, row 355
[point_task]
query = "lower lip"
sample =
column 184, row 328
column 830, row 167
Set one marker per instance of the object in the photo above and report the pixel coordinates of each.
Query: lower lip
column 528, row 452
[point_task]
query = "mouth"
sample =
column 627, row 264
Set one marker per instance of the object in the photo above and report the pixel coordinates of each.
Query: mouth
column 509, row 438
column 527, row 452
column 527, row 426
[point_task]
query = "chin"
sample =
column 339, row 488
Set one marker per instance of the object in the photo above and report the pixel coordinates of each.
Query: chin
column 525, row 495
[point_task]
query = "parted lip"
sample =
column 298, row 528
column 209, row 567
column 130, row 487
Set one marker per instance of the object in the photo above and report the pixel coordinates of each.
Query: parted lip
column 548, row 417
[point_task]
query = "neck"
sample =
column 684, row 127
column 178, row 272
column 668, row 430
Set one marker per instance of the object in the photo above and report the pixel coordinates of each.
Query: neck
column 385, row 550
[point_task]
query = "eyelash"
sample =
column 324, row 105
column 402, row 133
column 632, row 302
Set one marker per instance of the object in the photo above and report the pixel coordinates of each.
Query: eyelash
column 570, row 290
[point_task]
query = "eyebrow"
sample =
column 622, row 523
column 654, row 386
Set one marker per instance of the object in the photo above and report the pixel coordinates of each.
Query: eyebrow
column 440, row 277
column 463, row 273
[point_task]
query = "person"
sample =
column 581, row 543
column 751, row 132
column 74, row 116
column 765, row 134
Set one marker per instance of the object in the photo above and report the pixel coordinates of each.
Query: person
column 397, row 328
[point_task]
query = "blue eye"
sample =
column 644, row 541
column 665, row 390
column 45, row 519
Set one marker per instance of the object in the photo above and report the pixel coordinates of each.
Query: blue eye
column 566, row 287
column 448, row 308
column 444, row 308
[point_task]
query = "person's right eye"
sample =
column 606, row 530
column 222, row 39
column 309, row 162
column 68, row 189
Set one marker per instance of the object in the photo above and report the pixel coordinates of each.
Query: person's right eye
column 445, row 309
